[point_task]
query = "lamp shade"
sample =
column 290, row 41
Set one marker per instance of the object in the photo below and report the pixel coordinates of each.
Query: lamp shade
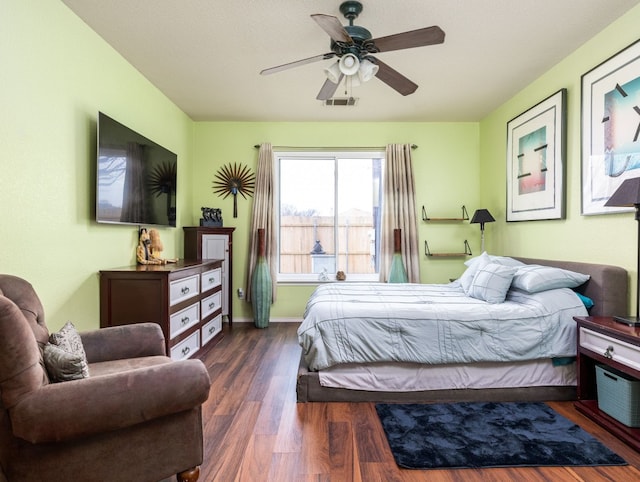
column 333, row 73
column 367, row 70
column 349, row 64
column 482, row 216
column 627, row 194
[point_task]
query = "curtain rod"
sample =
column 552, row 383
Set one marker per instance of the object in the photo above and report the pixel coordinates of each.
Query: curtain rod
column 294, row 148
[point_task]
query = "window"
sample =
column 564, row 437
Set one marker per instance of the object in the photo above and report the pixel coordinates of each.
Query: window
column 329, row 214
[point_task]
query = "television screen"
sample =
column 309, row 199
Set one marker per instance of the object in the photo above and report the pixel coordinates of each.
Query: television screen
column 136, row 178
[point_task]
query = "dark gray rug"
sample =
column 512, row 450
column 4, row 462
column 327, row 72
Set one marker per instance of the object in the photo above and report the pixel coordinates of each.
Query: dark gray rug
column 475, row 435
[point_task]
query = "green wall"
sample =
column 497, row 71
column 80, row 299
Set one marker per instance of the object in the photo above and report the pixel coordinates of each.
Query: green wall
column 57, row 74
column 608, row 239
column 446, row 172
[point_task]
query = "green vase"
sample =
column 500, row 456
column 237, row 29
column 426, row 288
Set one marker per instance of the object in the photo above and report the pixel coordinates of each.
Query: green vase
column 261, row 286
column 397, row 273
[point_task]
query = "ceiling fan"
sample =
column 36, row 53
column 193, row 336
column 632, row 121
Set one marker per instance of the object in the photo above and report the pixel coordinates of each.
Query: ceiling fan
column 354, row 46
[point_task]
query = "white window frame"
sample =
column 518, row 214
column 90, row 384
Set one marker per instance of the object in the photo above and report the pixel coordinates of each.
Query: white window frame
column 313, row 278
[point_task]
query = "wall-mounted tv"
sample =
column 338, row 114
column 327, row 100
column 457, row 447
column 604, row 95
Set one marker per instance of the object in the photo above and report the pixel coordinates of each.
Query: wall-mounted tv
column 136, row 178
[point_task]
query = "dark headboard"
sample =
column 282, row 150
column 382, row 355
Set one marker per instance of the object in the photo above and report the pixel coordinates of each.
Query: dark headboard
column 608, row 286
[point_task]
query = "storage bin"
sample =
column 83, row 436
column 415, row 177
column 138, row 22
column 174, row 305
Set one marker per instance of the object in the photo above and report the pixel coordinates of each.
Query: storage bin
column 618, row 395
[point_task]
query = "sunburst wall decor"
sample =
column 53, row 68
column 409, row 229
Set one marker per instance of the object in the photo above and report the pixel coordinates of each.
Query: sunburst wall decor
column 234, row 179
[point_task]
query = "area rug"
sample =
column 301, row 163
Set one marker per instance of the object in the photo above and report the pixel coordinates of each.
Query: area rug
column 476, row 435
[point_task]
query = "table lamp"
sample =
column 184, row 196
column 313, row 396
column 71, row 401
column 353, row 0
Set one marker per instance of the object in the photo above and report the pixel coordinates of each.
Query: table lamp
column 628, row 195
column 482, row 216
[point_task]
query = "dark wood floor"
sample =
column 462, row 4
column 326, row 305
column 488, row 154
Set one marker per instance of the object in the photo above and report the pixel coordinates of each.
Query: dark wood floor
column 255, row 431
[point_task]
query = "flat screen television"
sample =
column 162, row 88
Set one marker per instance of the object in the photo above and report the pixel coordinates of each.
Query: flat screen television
column 136, row 178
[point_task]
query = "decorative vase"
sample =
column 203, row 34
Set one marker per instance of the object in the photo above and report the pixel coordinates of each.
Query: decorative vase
column 397, row 273
column 261, row 286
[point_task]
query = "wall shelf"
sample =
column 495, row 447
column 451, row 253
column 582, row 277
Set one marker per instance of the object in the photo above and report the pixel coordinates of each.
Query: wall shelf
column 464, row 217
column 467, row 251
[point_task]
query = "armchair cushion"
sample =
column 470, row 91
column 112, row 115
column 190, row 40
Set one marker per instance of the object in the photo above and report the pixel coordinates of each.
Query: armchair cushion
column 21, row 368
column 121, row 342
column 64, row 411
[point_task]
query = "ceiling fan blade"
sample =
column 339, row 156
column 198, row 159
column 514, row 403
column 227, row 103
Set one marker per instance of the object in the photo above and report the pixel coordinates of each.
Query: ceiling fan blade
column 393, row 78
column 407, row 40
column 297, row 63
column 328, row 89
column 333, row 27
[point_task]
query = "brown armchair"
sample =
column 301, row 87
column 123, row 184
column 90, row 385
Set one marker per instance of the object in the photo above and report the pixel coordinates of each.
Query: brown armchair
column 137, row 417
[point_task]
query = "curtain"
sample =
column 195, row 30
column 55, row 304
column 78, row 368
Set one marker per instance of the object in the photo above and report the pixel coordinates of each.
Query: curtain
column 133, row 199
column 399, row 212
column 263, row 217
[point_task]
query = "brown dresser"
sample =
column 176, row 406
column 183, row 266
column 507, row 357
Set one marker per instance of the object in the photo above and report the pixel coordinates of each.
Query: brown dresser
column 184, row 298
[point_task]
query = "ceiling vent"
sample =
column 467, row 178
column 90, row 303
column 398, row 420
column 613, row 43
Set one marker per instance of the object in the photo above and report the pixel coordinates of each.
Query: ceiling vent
column 341, row 101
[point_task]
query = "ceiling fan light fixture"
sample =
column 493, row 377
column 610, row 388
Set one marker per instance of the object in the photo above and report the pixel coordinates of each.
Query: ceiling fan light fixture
column 349, row 64
column 333, row 72
column 367, row 70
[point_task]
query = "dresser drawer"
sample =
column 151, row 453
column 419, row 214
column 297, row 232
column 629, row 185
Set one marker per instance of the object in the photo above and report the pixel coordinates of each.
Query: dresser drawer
column 211, row 329
column 211, row 279
column 620, row 351
column 210, row 304
column 183, row 289
column 187, row 347
column 183, row 320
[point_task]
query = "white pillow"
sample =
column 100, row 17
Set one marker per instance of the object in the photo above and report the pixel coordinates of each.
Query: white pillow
column 491, row 282
column 475, row 259
column 473, row 264
column 534, row 278
column 506, row 261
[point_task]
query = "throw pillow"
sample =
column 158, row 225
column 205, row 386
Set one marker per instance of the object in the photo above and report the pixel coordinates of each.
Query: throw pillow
column 473, row 265
column 69, row 340
column 61, row 365
column 588, row 302
column 534, row 278
column 491, row 283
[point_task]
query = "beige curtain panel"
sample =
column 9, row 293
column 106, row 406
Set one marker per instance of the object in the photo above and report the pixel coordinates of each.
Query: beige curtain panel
column 263, row 217
column 399, row 212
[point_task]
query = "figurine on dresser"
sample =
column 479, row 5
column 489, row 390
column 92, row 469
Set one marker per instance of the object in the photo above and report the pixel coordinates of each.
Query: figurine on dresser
column 150, row 247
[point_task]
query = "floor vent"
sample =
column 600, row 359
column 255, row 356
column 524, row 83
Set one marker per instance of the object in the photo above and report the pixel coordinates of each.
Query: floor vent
column 341, row 101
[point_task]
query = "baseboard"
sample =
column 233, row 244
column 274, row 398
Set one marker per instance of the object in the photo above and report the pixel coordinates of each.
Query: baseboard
column 271, row 320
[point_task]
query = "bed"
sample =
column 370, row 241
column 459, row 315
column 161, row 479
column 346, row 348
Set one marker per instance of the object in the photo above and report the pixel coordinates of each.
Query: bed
column 433, row 356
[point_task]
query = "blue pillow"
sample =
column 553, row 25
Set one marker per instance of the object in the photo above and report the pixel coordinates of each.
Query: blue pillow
column 588, row 302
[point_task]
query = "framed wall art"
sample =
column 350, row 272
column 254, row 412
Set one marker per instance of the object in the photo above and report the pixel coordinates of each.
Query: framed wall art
column 610, row 128
column 536, row 151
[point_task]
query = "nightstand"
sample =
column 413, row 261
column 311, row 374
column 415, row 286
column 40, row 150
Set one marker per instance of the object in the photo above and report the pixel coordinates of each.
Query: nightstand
column 605, row 342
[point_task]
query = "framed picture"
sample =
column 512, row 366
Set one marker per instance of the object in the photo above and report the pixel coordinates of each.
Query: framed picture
column 536, row 151
column 610, row 128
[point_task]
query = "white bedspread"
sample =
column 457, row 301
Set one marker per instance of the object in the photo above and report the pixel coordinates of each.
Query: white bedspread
column 434, row 324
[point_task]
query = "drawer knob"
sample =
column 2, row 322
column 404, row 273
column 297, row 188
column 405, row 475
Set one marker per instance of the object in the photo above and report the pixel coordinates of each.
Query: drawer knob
column 212, row 306
column 185, row 350
column 212, row 280
column 608, row 353
column 212, row 329
column 185, row 290
column 184, row 320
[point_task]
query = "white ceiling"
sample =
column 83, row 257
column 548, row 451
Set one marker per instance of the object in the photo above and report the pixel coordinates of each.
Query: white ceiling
column 206, row 55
